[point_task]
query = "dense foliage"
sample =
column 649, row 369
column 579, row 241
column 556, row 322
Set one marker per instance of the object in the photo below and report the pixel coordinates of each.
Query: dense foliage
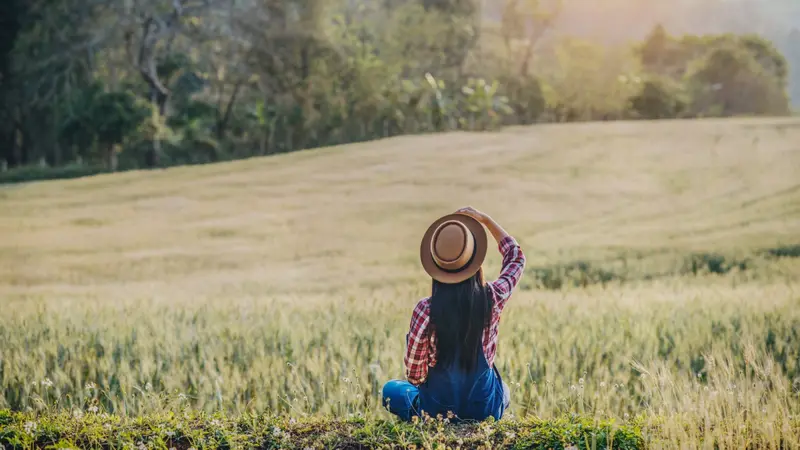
column 150, row 83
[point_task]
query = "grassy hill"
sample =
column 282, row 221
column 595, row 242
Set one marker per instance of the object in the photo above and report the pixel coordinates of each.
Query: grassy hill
column 661, row 276
column 326, row 219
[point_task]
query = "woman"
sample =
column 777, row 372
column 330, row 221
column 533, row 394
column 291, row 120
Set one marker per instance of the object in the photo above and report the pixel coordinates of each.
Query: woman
column 452, row 339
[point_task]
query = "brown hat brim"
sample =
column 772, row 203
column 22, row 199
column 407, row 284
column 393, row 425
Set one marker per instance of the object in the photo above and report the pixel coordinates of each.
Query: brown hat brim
column 447, row 277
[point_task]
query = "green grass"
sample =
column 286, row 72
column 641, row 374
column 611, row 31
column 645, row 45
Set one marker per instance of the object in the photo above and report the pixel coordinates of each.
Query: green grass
column 192, row 430
column 661, row 292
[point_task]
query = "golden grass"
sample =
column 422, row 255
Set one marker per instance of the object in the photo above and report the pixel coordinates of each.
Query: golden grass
column 286, row 283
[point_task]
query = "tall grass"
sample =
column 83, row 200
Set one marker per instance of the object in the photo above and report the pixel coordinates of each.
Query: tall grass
column 709, row 360
column 285, row 286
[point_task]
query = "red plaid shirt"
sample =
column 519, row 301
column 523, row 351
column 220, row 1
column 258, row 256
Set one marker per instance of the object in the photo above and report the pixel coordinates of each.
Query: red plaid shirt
column 421, row 340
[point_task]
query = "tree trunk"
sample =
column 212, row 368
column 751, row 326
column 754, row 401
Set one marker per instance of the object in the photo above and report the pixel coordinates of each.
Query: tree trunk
column 159, row 99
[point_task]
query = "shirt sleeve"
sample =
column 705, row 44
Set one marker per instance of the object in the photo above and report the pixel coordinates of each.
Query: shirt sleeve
column 417, row 354
column 510, row 274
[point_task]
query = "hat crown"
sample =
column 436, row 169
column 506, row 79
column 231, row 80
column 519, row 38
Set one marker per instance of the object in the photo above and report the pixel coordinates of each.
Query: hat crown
column 450, row 242
column 453, row 248
column 452, row 245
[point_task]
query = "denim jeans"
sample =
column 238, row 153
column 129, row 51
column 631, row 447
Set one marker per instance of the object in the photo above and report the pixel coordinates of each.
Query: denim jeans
column 401, row 398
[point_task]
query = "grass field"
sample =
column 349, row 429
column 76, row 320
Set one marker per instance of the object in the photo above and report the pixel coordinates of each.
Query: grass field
column 662, row 289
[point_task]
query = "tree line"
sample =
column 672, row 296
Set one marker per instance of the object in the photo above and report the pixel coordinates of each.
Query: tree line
column 96, row 85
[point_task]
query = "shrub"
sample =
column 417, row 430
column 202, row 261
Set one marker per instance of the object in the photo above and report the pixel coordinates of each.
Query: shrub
column 659, row 98
column 730, row 82
column 39, row 173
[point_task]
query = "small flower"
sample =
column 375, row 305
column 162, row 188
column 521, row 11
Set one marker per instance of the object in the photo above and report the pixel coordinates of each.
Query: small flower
column 148, row 387
column 77, row 413
column 346, row 380
column 573, row 387
column 29, row 427
column 170, row 434
column 626, row 416
column 276, row 431
column 292, row 421
column 90, row 386
column 216, row 423
column 93, row 409
column 182, row 397
column 47, row 383
column 107, row 427
column 580, row 381
column 602, row 384
column 510, row 435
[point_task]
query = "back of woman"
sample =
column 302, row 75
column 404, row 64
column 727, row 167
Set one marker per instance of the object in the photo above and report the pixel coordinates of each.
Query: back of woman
column 453, row 334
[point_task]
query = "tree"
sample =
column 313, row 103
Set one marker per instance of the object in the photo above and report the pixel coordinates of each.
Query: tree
column 11, row 12
column 659, row 98
column 524, row 24
column 730, row 81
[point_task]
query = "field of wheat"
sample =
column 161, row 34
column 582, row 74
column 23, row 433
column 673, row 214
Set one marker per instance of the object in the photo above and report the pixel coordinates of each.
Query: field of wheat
column 662, row 287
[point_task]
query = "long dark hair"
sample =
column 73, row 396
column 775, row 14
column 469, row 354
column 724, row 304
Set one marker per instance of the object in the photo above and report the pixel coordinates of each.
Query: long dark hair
column 459, row 314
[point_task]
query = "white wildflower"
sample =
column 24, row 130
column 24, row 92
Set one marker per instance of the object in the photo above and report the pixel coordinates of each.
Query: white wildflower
column 30, row 427
column 90, row 386
column 276, row 431
column 510, row 435
column 182, row 397
column 148, row 387
column 94, row 409
column 581, row 381
column 216, row 423
column 77, row 413
column 47, row 383
column 170, row 434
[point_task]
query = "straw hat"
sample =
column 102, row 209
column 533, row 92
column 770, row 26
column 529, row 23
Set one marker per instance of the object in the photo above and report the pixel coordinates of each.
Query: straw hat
column 453, row 248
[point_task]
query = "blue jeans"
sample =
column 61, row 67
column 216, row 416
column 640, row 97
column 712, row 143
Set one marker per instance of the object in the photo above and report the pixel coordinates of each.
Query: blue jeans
column 401, row 398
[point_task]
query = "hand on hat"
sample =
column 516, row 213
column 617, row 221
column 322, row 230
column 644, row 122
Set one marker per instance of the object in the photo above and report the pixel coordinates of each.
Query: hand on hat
column 494, row 228
column 475, row 214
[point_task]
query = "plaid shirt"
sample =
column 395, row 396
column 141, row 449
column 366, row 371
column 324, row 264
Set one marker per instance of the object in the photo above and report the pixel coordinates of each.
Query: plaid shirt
column 421, row 340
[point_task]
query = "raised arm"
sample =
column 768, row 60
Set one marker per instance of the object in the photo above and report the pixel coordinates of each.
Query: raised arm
column 513, row 258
